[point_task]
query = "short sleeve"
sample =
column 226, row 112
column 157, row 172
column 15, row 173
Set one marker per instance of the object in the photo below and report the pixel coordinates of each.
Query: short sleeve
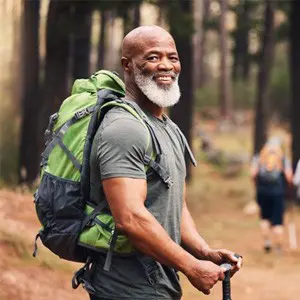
column 123, row 141
column 254, row 161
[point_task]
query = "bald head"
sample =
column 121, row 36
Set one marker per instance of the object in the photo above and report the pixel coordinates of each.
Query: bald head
column 143, row 37
column 151, row 66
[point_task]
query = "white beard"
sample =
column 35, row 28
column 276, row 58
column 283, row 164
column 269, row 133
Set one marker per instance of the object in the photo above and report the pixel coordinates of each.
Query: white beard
column 162, row 96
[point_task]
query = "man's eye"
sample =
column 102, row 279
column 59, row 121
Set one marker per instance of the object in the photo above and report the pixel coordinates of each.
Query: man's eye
column 174, row 59
column 152, row 58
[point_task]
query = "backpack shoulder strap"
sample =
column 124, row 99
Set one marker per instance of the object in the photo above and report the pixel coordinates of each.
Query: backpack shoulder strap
column 184, row 141
column 151, row 154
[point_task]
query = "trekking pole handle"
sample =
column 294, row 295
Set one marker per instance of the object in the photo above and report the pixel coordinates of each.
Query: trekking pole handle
column 226, row 282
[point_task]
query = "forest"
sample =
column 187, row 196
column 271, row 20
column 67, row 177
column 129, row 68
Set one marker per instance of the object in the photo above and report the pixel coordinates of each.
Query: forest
column 236, row 55
column 240, row 84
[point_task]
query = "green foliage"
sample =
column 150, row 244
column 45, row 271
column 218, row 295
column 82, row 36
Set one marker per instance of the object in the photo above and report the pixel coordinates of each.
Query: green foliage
column 243, row 95
column 282, row 32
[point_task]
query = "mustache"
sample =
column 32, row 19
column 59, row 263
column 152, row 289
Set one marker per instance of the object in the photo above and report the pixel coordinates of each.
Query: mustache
column 169, row 73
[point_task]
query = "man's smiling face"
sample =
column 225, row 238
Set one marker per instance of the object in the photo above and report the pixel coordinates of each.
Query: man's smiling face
column 156, row 69
column 151, row 64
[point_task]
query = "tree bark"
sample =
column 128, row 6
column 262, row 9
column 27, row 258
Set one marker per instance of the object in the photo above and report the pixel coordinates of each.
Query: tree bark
column 102, row 40
column 136, row 15
column 82, row 13
column 225, row 82
column 263, row 78
column 182, row 113
column 30, row 101
column 197, row 39
column 57, row 59
column 203, row 47
column 241, row 61
column 295, row 78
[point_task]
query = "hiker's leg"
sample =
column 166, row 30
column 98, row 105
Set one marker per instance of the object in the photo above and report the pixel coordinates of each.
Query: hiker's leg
column 265, row 227
column 265, row 224
column 277, row 221
column 278, row 236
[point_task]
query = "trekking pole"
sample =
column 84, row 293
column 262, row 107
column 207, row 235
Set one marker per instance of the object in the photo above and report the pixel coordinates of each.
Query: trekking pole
column 226, row 282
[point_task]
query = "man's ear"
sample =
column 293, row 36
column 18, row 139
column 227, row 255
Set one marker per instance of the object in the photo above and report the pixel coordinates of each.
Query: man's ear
column 126, row 64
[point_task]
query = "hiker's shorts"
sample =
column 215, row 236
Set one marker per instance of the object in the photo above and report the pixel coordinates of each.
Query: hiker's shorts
column 271, row 207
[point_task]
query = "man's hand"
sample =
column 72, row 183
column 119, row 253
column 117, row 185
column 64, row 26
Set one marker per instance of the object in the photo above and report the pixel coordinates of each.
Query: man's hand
column 221, row 256
column 204, row 275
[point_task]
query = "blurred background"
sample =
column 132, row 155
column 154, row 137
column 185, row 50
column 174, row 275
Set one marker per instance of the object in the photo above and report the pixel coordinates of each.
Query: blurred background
column 240, row 83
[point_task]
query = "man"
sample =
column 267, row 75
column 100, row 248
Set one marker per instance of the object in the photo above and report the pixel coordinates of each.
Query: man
column 155, row 218
column 271, row 171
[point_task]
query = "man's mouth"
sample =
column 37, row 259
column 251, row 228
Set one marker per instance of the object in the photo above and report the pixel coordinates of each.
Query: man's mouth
column 164, row 79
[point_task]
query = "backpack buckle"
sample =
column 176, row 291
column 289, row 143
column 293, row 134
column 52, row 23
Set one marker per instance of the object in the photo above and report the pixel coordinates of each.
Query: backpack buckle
column 168, row 181
column 48, row 131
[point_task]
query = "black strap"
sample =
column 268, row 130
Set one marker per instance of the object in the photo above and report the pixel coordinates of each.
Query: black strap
column 109, row 254
column 70, row 155
column 35, row 244
column 82, row 276
column 154, row 164
column 184, row 140
column 49, row 130
column 187, row 146
column 94, row 214
column 161, row 172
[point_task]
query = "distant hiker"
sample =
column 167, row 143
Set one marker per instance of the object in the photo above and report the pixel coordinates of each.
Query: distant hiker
column 113, row 181
column 296, row 181
column 271, row 172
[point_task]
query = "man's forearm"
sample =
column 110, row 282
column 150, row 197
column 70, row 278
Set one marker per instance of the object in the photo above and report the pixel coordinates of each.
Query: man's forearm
column 149, row 237
column 191, row 239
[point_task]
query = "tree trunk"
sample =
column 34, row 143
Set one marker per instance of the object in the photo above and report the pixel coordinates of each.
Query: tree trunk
column 181, row 25
column 295, row 75
column 82, row 13
column 136, row 15
column 264, row 74
column 203, row 47
column 245, row 42
column 225, row 82
column 102, row 40
column 241, row 61
column 28, row 168
column 57, row 58
column 131, row 16
column 198, row 24
column 126, row 21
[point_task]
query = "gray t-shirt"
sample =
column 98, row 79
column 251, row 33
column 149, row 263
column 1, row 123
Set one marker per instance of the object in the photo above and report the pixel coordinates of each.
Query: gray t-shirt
column 118, row 151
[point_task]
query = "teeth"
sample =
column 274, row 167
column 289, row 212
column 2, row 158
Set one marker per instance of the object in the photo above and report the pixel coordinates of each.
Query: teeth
column 164, row 78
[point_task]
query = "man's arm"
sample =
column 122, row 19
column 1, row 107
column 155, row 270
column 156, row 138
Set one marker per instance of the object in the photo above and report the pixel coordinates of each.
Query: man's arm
column 126, row 197
column 196, row 245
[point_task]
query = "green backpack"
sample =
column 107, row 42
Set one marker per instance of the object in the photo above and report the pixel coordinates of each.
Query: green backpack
column 72, row 227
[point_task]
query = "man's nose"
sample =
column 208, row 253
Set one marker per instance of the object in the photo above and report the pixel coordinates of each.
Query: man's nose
column 165, row 64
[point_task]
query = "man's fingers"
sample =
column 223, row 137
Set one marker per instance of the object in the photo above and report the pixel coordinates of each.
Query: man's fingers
column 222, row 274
column 206, row 292
column 240, row 262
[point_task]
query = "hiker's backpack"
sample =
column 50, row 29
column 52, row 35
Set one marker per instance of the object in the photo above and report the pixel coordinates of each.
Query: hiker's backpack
column 270, row 165
column 72, row 227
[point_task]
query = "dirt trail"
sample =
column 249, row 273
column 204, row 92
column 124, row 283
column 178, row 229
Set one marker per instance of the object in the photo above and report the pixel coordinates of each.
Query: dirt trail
column 264, row 277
